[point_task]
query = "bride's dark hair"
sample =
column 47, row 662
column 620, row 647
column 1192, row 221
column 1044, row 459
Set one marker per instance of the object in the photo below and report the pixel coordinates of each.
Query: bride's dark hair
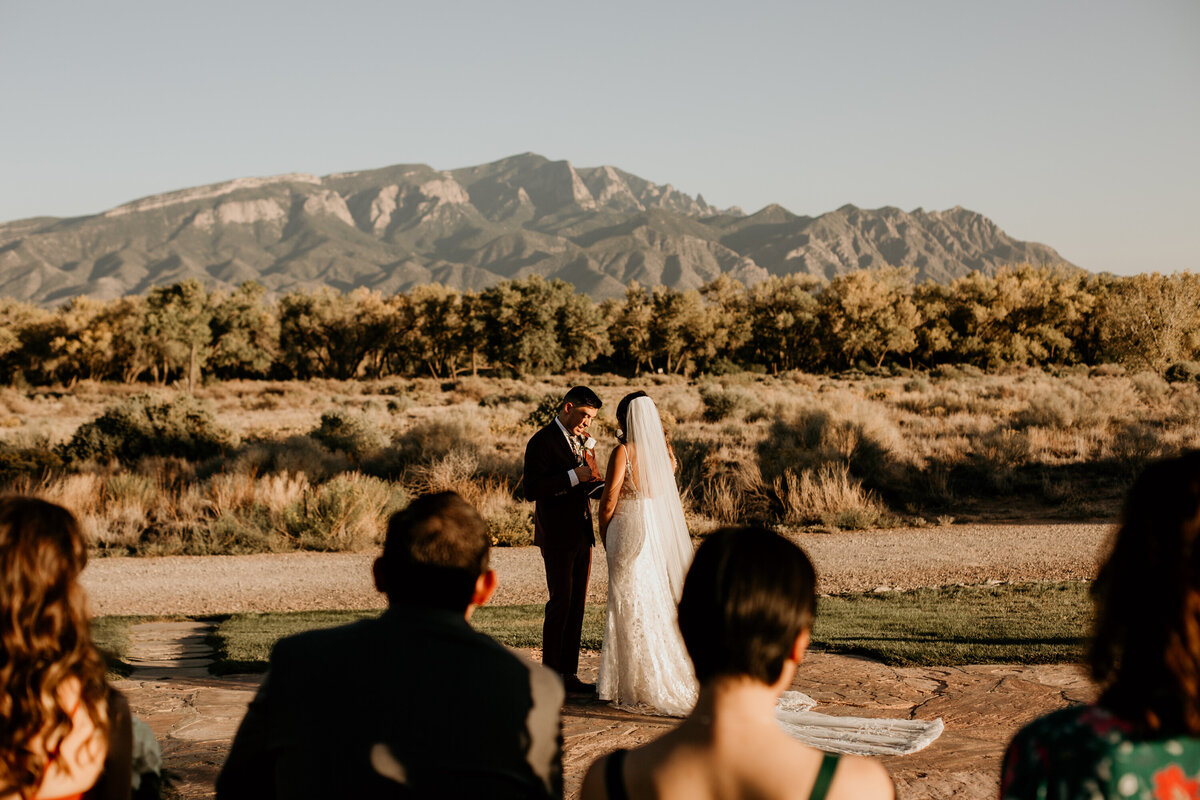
column 623, row 414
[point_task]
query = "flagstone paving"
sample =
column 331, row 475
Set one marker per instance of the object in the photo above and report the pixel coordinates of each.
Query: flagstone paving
column 194, row 715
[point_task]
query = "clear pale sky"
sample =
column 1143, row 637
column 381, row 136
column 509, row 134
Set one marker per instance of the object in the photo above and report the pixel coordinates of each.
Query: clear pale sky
column 1076, row 124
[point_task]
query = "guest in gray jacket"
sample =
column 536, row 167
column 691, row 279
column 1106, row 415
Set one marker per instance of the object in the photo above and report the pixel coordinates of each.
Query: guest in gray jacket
column 414, row 703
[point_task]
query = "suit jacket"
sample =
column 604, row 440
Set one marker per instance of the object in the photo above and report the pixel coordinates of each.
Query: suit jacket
column 562, row 515
column 415, row 703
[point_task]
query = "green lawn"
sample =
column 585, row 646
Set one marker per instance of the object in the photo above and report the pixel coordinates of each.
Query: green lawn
column 1038, row 623
column 1042, row 623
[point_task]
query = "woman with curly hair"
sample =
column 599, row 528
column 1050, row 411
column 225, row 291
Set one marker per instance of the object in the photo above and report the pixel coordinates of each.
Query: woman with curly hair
column 1142, row 738
column 63, row 732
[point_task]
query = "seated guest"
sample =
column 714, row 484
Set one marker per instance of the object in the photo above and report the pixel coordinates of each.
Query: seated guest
column 63, row 732
column 414, row 703
column 745, row 615
column 1142, row 738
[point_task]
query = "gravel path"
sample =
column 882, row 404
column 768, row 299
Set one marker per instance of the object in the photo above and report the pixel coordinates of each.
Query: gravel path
column 846, row 562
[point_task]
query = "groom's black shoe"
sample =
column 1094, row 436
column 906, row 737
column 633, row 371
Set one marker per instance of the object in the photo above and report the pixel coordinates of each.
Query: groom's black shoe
column 575, row 686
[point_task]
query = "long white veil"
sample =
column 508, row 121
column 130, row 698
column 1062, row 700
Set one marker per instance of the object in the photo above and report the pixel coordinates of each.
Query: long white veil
column 667, row 545
column 654, row 476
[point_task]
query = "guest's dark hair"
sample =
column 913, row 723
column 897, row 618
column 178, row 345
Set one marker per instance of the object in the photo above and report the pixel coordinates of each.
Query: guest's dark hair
column 44, row 638
column 1146, row 647
column 581, row 396
column 748, row 595
column 434, row 551
column 623, row 413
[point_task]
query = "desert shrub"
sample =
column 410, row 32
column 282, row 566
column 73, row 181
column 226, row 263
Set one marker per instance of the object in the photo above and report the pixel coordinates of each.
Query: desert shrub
column 544, row 411
column 453, row 472
column 435, row 438
column 348, row 512
column 1075, row 402
column 829, row 495
column 16, row 461
column 998, row 454
column 859, row 434
column 1106, row 371
column 1133, row 445
column 472, row 388
column 512, row 527
column 917, row 385
column 683, row 406
column 356, row 435
column 143, row 426
column 1185, row 405
column 730, row 488
column 248, row 531
column 722, row 403
column 1150, row 385
column 130, row 490
column 1183, row 372
column 398, row 405
column 296, row 454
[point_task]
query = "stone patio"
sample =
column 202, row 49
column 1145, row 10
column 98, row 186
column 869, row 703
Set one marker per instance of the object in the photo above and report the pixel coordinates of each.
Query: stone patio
column 195, row 714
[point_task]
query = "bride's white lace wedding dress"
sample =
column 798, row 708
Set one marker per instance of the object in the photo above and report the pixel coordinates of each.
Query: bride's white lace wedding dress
column 644, row 665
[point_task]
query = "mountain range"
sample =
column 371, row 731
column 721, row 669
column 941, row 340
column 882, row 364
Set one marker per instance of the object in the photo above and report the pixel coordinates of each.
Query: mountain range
column 401, row 226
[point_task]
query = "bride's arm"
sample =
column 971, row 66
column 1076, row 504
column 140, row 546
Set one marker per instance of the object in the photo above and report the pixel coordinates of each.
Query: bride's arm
column 615, row 476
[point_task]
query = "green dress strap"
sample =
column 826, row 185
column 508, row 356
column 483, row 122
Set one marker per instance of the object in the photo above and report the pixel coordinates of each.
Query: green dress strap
column 824, row 776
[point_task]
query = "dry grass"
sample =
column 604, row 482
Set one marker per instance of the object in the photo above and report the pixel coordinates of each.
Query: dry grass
column 795, row 449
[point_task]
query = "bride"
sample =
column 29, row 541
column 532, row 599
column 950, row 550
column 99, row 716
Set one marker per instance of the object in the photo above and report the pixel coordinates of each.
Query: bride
column 644, row 665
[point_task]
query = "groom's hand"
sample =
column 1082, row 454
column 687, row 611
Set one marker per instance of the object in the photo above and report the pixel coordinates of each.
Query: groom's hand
column 583, row 472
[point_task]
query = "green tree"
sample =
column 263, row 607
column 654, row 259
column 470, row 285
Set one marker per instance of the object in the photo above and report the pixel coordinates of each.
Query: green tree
column 1147, row 320
column 629, row 328
column 782, row 315
column 1022, row 315
column 245, row 333
column 521, row 319
column 177, row 326
column 869, row 314
column 334, row 335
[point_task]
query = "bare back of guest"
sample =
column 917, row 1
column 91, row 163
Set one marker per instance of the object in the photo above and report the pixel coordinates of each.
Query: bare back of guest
column 745, row 616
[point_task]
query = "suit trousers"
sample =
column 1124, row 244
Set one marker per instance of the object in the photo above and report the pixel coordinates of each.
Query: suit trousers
column 567, row 573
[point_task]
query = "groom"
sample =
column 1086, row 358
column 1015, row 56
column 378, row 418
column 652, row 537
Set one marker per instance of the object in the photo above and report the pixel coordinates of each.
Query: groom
column 559, row 474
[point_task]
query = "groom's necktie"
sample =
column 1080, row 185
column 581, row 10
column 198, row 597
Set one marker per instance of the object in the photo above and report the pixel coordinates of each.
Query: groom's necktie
column 576, row 447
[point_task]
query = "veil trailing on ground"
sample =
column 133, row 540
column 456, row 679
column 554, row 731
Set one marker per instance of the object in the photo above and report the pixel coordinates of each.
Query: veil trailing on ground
column 654, row 476
column 644, row 665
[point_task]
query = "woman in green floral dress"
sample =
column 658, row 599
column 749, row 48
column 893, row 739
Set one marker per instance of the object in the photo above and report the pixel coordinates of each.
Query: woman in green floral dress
column 1142, row 738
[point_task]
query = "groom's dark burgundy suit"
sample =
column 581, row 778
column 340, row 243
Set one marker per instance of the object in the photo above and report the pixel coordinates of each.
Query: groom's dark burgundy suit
column 562, row 528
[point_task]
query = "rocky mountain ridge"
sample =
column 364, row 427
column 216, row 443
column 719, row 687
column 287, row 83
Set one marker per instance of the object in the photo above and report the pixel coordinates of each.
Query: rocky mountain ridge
column 400, row 226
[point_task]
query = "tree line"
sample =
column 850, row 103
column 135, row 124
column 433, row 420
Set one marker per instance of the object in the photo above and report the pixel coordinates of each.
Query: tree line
column 1031, row 315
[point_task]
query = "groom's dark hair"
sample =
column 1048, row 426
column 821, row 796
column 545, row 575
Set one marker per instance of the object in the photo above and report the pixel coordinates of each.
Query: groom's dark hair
column 434, row 551
column 581, row 396
column 748, row 595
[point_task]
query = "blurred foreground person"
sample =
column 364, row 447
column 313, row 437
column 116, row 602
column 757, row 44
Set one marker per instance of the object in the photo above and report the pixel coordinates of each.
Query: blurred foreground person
column 63, row 733
column 1142, row 738
column 745, row 614
column 414, row 703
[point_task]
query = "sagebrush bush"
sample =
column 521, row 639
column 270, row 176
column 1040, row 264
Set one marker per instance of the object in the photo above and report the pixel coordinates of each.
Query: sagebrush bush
column 544, row 411
column 356, row 435
column 296, row 454
column 146, row 426
column 435, row 438
column 348, row 512
column 829, row 495
column 720, row 403
column 1183, row 372
column 512, row 527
